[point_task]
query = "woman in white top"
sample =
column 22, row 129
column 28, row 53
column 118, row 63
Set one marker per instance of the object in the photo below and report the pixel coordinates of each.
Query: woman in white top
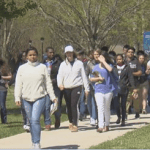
column 32, row 85
column 71, row 76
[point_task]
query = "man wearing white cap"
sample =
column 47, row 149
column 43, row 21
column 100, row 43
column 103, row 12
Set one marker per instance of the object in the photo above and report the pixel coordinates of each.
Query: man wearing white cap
column 71, row 76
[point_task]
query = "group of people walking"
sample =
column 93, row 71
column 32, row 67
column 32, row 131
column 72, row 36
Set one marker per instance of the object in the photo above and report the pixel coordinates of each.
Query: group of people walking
column 90, row 82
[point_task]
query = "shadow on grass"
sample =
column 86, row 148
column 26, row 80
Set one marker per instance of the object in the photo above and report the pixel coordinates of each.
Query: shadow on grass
column 11, row 126
column 13, row 111
column 14, row 122
column 63, row 147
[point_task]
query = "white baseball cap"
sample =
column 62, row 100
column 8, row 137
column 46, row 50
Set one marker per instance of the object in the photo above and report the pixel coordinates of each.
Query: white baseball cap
column 68, row 49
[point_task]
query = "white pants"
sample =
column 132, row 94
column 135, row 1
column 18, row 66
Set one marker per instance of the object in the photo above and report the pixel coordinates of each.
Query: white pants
column 103, row 102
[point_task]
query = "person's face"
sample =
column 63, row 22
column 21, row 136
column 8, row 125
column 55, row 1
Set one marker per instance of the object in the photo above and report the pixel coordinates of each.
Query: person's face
column 24, row 57
column 80, row 57
column 130, row 53
column 124, row 51
column 69, row 56
column 32, row 56
column 119, row 60
column 50, row 54
column 141, row 59
column 96, row 55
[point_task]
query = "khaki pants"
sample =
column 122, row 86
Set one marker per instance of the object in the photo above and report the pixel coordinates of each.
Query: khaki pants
column 136, row 105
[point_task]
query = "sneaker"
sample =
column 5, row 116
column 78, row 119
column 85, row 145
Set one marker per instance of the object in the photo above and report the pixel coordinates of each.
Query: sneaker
column 144, row 111
column 48, row 127
column 26, row 128
column 57, row 123
column 92, row 122
column 106, row 129
column 123, row 123
column 74, row 129
column 118, row 121
column 137, row 116
column 36, row 146
column 80, row 117
column 100, row 130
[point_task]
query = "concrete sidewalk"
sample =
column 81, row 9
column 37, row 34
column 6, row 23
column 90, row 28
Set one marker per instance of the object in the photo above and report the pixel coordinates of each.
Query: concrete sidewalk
column 63, row 138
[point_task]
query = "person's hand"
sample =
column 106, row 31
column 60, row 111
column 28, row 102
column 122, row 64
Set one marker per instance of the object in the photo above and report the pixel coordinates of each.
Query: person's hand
column 135, row 94
column 101, row 58
column 18, row 103
column 101, row 79
column 135, row 90
column 61, row 87
column 147, row 71
column 55, row 101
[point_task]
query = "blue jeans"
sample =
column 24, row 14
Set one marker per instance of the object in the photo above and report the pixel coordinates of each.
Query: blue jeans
column 82, row 106
column 3, row 95
column 25, row 118
column 34, row 111
column 91, row 104
column 47, row 119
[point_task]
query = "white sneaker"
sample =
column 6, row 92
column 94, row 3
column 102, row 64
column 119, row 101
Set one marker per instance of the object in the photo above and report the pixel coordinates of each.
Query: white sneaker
column 26, row 128
column 36, row 146
column 92, row 122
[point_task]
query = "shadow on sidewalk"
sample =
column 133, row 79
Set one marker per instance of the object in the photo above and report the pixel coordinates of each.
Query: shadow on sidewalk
column 63, row 147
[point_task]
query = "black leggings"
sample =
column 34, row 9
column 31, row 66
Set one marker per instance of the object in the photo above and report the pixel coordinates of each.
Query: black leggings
column 72, row 98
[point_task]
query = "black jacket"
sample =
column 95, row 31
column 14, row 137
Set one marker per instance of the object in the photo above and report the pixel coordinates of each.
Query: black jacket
column 126, row 79
column 54, row 71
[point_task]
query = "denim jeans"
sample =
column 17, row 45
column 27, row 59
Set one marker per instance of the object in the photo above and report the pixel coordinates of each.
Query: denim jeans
column 3, row 95
column 47, row 119
column 91, row 104
column 34, row 111
column 25, row 118
column 123, row 98
column 82, row 106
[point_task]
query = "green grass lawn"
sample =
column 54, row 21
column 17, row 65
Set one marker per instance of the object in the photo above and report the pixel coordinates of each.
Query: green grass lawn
column 15, row 119
column 138, row 139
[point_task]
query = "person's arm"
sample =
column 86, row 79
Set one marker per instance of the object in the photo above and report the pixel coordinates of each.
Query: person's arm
column 18, row 88
column 54, row 80
column 60, row 77
column 9, row 77
column 49, row 86
column 84, row 78
column 87, row 69
column 138, row 73
column 96, row 79
column 106, row 65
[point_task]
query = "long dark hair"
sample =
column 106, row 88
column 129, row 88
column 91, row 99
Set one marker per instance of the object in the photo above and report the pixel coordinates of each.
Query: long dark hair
column 108, row 58
column 5, row 70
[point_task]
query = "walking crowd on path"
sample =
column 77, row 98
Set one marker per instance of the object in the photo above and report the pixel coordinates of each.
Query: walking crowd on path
column 99, row 83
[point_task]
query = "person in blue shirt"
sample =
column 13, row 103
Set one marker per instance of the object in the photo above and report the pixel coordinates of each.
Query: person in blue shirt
column 104, row 88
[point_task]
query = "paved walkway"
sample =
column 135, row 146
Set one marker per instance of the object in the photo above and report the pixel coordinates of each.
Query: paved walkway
column 64, row 139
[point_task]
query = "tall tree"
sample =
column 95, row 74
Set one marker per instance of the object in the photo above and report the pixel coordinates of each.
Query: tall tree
column 86, row 23
column 8, row 11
